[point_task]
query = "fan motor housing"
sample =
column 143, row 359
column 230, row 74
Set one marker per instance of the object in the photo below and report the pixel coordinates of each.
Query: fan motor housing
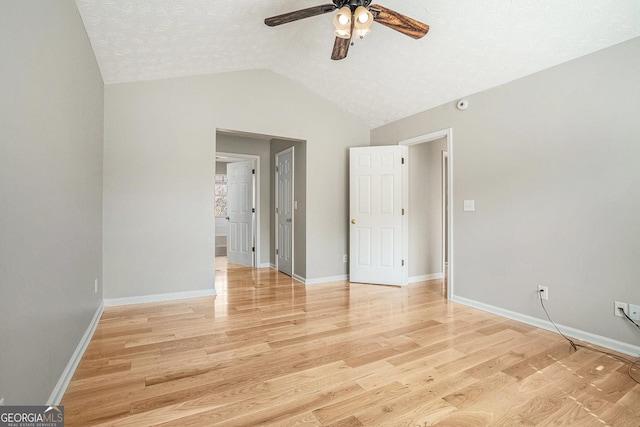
column 353, row 4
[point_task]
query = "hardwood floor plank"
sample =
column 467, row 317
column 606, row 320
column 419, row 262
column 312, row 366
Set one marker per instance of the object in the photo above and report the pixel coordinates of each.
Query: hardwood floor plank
column 307, row 419
column 470, row 395
column 631, row 401
column 415, row 372
column 416, row 408
column 376, row 397
column 346, row 422
column 277, row 413
column 268, row 350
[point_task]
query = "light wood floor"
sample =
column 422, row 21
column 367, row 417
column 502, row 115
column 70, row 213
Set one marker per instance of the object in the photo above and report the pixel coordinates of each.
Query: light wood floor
column 268, row 350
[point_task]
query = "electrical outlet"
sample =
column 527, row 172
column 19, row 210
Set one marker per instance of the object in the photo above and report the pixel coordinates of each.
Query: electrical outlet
column 617, row 305
column 345, row 258
column 96, row 286
column 543, row 291
column 634, row 311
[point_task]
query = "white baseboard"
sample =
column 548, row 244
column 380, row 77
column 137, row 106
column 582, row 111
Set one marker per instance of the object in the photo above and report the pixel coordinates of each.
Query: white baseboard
column 317, row 281
column 299, row 279
column 426, row 277
column 70, row 369
column 320, row 280
column 265, row 265
column 113, row 302
column 619, row 346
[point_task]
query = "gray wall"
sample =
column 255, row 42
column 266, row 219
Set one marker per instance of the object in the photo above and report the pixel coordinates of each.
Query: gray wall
column 257, row 147
column 51, row 127
column 160, row 145
column 221, row 167
column 425, row 208
column 300, row 196
column 552, row 161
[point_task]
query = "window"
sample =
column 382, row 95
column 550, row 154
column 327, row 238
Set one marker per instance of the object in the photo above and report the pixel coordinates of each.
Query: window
column 221, row 196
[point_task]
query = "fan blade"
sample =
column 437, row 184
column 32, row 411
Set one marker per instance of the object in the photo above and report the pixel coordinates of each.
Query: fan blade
column 299, row 14
column 340, row 48
column 399, row 22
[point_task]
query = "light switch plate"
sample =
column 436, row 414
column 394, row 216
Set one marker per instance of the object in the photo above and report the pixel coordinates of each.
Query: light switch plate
column 469, row 205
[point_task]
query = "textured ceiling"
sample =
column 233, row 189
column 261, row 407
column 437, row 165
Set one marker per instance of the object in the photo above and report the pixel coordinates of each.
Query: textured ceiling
column 472, row 45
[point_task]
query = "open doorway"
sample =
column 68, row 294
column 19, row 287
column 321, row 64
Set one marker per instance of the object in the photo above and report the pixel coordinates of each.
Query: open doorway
column 430, row 214
column 264, row 148
column 236, row 208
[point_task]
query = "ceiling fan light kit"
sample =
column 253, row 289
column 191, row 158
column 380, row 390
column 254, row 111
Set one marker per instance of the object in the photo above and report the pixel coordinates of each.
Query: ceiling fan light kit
column 354, row 17
column 342, row 22
column 362, row 21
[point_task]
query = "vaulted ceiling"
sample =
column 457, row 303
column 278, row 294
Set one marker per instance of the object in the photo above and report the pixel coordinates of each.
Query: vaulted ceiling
column 472, row 45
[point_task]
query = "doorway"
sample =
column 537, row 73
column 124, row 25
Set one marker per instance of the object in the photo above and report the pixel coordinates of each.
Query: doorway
column 237, row 208
column 441, row 145
column 262, row 147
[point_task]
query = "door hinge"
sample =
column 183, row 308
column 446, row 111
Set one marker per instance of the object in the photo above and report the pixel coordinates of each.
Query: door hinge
column 253, row 171
column 253, row 210
column 402, row 211
column 276, row 169
column 253, row 249
column 403, row 263
column 403, row 160
column 276, row 252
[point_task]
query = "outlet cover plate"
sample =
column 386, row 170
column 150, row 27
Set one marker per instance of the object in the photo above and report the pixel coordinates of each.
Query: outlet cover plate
column 623, row 306
column 543, row 291
column 634, row 311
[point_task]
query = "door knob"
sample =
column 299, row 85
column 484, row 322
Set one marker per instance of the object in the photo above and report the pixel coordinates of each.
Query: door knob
column 353, row 221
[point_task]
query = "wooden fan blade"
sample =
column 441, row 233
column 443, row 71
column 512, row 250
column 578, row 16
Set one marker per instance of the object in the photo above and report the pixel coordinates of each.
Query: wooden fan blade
column 399, row 22
column 299, row 14
column 340, row 48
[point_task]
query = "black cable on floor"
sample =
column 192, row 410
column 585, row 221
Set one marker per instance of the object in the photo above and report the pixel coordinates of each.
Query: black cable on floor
column 575, row 346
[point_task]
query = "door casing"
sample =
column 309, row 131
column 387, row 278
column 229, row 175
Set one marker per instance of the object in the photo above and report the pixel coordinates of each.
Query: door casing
column 421, row 139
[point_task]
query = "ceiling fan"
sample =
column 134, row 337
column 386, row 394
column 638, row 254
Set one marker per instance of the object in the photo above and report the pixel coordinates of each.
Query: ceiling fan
column 353, row 19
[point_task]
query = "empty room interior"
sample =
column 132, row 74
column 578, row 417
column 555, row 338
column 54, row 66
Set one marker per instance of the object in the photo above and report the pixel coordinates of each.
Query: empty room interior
column 343, row 214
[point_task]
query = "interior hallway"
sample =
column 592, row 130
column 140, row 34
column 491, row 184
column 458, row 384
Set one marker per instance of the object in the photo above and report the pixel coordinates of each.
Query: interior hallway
column 268, row 350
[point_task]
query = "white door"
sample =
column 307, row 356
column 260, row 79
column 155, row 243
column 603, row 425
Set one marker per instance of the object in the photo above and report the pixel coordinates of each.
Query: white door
column 284, row 211
column 240, row 211
column 377, row 183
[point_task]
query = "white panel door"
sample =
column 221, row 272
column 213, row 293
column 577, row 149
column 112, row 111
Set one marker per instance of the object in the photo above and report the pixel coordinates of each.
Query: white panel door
column 377, row 192
column 240, row 211
column 284, row 211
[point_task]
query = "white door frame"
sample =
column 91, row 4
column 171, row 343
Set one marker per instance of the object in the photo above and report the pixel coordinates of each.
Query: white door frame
column 256, row 200
column 293, row 197
column 444, row 167
column 448, row 134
